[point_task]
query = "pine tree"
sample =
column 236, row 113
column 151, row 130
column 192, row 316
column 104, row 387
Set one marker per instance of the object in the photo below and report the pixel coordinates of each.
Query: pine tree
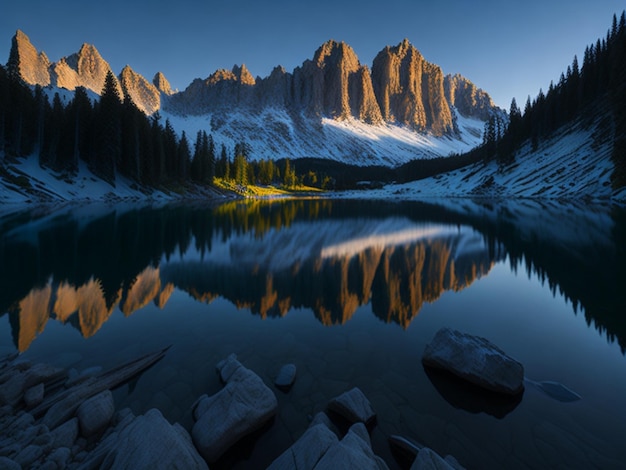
column 183, row 157
column 108, row 130
column 79, row 117
column 211, row 157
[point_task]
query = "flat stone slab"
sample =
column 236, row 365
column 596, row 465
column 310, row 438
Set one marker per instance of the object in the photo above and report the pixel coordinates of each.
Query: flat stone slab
column 476, row 360
column 354, row 406
column 243, row 406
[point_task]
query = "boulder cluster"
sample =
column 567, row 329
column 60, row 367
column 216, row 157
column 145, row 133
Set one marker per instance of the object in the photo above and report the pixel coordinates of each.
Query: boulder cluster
column 50, row 420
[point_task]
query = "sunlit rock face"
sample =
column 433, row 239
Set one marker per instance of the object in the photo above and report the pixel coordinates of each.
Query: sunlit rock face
column 336, row 85
column 85, row 68
column 410, row 90
column 144, row 94
column 467, row 98
column 29, row 64
column 162, row 84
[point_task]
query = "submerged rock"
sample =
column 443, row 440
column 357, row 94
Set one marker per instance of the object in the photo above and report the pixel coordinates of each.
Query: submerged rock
column 9, row 464
column 354, row 406
column 286, row 376
column 65, row 435
column 427, row 459
column 476, row 360
column 243, row 406
column 555, row 390
column 34, row 395
column 405, row 445
column 95, row 414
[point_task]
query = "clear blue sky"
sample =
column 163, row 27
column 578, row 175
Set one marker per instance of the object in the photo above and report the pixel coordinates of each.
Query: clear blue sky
column 509, row 48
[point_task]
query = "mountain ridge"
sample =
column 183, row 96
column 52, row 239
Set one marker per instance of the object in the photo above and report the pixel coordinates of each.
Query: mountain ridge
column 332, row 90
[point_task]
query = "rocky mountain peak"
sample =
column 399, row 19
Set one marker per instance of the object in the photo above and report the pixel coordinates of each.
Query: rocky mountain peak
column 243, row 75
column 333, row 53
column 467, row 98
column 162, row 84
column 85, row 68
column 410, row 90
column 334, row 84
column 143, row 93
column 27, row 62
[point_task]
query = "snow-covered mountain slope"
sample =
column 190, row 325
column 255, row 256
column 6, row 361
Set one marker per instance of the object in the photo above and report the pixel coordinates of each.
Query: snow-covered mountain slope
column 333, row 107
column 25, row 181
column 574, row 163
column 275, row 134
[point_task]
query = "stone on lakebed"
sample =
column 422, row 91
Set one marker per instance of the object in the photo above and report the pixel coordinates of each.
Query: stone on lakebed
column 476, row 360
column 354, row 406
column 286, row 376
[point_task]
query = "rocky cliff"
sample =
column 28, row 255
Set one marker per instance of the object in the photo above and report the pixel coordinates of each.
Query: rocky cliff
column 336, row 85
column 402, row 88
column 332, row 106
column 162, row 84
column 143, row 93
column 85, row 68
column 410, row 90
column 24, row 60
column 467, row 98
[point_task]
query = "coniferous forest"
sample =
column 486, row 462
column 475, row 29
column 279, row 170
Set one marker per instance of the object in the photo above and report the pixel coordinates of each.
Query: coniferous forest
column 595, row 87
column 114, row 138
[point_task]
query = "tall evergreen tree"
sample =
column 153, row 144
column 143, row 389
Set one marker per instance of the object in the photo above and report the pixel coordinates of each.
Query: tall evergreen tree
column 107, row 153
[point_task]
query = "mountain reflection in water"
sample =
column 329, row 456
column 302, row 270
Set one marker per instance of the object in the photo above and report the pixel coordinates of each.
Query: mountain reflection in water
column 79, row 266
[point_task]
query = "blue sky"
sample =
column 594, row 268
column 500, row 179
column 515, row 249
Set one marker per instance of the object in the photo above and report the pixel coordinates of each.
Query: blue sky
column 506, row 47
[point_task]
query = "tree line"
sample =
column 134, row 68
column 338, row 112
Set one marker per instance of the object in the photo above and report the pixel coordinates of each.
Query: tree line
column 597, row 86
column 113, row 137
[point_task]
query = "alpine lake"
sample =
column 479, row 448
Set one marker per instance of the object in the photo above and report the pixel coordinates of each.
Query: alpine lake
column 350, row 292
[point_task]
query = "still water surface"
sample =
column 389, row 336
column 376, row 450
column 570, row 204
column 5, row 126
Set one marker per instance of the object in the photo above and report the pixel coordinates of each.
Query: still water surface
column 350, row 292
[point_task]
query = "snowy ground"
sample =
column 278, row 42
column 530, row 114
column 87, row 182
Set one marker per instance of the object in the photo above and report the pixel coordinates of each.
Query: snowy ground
column 30, row 183
column 574, row 164
column 275, row 134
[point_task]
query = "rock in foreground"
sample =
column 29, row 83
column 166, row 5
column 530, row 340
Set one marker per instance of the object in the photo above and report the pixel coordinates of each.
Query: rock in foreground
column 476, row 360
column 319, row 448
column 146, row 441
column 354, row 406
column 243, row 406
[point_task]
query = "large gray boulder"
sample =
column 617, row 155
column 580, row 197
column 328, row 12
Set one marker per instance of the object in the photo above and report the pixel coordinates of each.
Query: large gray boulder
column 319, row 448
column 243, row 406
column 354, row 406
column 476, row 360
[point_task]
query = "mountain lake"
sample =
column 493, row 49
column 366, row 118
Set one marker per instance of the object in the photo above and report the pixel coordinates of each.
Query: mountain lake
column 350, row 292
